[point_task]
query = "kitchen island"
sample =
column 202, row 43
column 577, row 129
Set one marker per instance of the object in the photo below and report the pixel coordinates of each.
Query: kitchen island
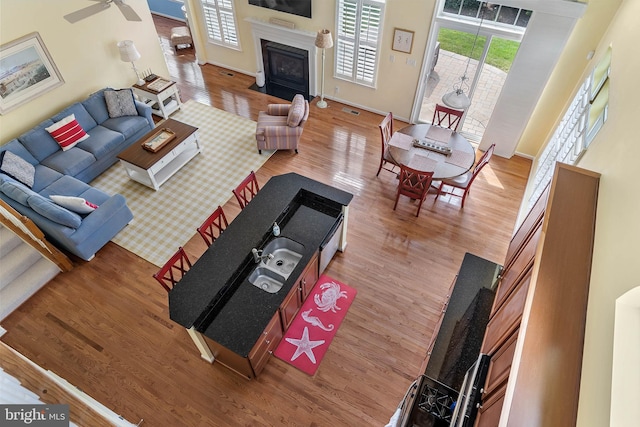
column 233, row 321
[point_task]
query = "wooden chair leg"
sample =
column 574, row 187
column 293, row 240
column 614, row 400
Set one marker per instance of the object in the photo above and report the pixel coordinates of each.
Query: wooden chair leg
column 464, row 197
column 439, row 191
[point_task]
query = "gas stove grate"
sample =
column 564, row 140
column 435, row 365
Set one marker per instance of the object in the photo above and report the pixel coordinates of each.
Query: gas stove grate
column 437, row 399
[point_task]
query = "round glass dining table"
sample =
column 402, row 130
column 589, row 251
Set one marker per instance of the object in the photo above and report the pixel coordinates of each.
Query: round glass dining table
column 458, row 162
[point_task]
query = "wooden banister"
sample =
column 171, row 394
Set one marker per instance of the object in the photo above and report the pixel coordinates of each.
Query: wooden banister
column 33, row 236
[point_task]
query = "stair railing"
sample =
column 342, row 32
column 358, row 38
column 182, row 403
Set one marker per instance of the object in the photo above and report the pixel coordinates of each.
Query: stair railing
column 32, row 235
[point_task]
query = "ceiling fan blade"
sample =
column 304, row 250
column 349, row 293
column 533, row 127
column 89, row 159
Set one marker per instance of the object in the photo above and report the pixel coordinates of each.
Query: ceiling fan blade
column 127, row 11
column 78, row 15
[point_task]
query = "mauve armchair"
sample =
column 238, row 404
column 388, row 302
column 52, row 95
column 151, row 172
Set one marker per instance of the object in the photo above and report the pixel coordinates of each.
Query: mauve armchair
column 280, row 127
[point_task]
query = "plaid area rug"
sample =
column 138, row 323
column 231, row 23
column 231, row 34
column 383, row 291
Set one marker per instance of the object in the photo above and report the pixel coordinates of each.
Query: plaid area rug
column 311, row 332
column 168, row 218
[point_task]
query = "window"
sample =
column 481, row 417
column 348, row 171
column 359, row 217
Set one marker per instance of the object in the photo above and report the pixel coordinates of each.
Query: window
column 599, row 98
column 492, row 12
column 358, row 40
column 220, row 20
column 566, row 144
column 583, row 119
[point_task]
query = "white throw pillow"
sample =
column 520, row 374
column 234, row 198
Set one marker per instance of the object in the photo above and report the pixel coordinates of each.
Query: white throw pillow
column 75, row 204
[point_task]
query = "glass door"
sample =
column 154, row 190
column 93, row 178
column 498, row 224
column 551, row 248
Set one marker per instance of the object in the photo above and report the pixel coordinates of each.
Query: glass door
column 452, row 58
column 477, row 41
column 485, row 66
column 484, row 93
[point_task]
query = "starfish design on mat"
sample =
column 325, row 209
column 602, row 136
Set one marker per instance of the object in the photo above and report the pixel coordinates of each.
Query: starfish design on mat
column 304, row 346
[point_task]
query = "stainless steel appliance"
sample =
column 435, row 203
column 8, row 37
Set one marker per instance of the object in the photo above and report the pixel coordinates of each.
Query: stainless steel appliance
column 330, row 244
column 429, row 402
column 466, row 406
column 447, row 393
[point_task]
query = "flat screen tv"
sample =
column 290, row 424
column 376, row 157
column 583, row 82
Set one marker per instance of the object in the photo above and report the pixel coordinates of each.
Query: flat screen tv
column 296, row 7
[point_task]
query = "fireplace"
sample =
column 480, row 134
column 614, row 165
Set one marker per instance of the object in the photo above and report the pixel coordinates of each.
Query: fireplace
column 286, row 70
column 293, row 47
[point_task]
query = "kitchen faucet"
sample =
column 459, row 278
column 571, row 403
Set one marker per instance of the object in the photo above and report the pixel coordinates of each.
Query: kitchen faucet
column 257, row 255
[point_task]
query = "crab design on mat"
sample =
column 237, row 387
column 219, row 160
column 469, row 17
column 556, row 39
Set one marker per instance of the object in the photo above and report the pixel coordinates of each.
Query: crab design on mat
column 328, row 299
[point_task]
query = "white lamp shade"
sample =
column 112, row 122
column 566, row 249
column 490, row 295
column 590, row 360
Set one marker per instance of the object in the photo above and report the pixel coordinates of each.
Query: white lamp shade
column 128, row 51
column 456, row 99
column 324, row 39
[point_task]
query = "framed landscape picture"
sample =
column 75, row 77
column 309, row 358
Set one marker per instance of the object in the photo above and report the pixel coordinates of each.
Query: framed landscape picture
column 26, row 72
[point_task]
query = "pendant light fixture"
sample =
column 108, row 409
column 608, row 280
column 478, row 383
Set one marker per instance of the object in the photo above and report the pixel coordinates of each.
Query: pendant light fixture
column 457, row 98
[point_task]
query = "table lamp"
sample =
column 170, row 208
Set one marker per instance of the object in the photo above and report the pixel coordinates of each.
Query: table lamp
column 129, row 53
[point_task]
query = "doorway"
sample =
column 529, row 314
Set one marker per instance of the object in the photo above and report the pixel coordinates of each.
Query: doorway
column 479, row 44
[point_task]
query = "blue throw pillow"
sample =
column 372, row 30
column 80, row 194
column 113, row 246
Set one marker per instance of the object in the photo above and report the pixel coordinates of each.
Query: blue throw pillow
column 17, row 191
column 55, row 213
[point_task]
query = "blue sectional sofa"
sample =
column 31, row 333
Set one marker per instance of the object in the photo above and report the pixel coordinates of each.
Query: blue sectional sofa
column 67, row 173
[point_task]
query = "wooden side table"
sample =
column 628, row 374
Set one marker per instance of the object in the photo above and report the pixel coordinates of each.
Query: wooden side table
column 163, row 100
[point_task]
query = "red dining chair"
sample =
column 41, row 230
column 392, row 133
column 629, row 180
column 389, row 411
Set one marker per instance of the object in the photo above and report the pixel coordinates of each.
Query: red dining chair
column 173, row 270
column 464, row 182
column 447, row 117
column 213, row 226
column 414, row 184
column 386, row 130
column 247, row 190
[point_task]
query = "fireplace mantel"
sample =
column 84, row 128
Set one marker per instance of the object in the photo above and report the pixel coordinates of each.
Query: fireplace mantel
column 263, row 30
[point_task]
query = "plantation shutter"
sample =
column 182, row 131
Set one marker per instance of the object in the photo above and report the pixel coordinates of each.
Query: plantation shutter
column 358, row 39
column 580, row 123
column 220, row 20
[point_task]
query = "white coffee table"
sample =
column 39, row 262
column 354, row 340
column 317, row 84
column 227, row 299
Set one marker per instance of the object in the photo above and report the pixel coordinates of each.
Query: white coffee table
column 154, row 169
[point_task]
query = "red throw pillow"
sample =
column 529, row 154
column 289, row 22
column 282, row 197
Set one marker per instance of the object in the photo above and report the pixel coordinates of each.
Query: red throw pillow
column 67, row 132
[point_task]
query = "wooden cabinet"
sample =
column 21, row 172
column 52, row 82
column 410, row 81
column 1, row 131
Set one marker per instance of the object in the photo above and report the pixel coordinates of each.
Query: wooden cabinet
column 535, row 335
column 290, row 306
column 269, row 340
column 512, row 276
column 309, row 278
column 499, row 367
column 489, row 412
column 299, row 293
column 507, row 319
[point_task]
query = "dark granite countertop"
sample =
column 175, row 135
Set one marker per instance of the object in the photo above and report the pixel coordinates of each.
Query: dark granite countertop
column 306, row 210
column 459, row 339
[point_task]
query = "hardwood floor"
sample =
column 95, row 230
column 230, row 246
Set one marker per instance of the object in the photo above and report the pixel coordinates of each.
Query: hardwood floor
column 104, row 326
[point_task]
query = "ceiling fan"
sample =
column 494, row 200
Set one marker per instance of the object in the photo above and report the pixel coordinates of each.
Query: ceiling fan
column 126, row 10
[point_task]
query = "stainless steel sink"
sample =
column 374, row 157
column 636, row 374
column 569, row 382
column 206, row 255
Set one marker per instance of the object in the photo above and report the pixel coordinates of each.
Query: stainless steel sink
column 286, row 255
column 271, row 273
column 266, row 279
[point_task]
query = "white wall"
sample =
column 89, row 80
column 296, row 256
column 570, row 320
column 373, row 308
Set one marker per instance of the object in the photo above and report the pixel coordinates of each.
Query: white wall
column 397, row 81
column 85, row 52
column 615, row 154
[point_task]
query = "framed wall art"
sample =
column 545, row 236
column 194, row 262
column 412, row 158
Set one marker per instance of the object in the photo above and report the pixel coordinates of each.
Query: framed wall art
column 26, row 72
column 402, row 40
